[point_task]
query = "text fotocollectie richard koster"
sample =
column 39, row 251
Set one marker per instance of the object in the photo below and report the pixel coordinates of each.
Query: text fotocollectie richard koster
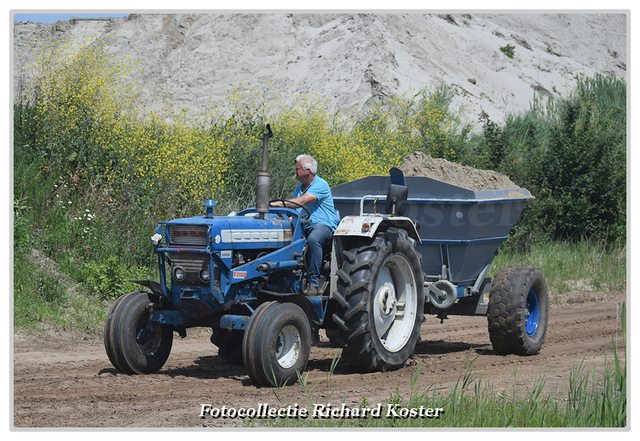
column 322, row 411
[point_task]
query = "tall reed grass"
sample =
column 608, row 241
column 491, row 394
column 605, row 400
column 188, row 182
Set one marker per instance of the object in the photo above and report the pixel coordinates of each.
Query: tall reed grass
column 584, row 269
column 590, row 400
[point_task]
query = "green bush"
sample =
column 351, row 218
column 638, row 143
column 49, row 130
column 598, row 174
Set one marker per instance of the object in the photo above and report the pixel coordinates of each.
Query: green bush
column 110, row 279
column 38, row 294
column 492, row 144
column 571, row 155
column 508, row 50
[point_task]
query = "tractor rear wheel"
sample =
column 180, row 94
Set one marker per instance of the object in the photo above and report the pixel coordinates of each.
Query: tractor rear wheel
column 380, row 301
column 518, row 310
column 134, row 344
column 276, row 344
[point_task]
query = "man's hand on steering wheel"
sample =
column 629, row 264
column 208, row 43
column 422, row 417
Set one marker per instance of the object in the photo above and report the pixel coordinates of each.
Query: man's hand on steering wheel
column 284, row 202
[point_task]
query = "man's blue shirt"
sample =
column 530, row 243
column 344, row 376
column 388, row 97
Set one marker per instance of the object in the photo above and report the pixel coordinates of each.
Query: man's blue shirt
column 322, row 211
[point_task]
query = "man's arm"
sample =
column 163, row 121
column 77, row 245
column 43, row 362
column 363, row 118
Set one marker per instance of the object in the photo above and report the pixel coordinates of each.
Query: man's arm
column 303, row 200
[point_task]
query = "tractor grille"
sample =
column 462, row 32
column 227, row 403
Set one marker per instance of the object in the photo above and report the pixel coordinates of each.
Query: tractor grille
column 188, row 235
column 192, row 264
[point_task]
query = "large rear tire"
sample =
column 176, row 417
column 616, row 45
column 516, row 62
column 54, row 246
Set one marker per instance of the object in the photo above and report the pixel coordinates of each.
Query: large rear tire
column 134, row 344
column 276, row 344
column 518, row 310
column 380, row 300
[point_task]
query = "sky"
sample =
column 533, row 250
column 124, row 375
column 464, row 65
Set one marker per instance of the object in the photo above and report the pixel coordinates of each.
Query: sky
column 52, row 18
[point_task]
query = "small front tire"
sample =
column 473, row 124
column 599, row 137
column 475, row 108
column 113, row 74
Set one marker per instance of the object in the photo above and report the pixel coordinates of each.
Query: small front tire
column 134, row 344
column 276, row 344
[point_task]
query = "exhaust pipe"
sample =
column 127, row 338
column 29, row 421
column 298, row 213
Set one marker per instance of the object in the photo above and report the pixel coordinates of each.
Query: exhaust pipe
column 263, row 191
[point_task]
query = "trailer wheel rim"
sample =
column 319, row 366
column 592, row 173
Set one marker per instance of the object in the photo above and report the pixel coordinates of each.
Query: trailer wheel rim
column 532, row 313
column 288, row 344
column 394, row 303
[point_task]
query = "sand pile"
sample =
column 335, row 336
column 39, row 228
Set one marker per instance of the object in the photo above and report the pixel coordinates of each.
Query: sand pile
column 354, row 60
column 421, row 164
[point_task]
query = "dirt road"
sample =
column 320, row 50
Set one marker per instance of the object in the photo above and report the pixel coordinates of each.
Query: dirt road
column 64, row 380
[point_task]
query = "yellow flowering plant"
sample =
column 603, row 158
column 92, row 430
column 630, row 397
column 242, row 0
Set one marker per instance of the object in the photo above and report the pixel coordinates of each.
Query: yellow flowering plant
column 169, row 161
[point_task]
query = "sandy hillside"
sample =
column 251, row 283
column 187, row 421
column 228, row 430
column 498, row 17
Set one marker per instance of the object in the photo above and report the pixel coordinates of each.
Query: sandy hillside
column 195, row 60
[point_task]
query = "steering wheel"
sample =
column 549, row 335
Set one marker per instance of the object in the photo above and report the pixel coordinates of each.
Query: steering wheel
column 291, row 202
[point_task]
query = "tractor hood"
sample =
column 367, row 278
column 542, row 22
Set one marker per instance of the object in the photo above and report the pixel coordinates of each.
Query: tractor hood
column 228, row 232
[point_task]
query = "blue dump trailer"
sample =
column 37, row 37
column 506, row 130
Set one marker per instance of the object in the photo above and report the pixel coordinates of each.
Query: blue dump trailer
column 459, row 230
column 405, row 247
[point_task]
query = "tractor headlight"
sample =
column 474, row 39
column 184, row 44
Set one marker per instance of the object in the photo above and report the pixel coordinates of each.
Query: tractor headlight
column 205, row 276
column 179, row 274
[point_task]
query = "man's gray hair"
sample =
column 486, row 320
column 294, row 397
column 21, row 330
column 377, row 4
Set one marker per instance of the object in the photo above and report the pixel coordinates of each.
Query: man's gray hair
column 308, row 163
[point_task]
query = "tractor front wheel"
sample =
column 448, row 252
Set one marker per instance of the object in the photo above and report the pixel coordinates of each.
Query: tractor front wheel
column 135, row 344
column 276, row 344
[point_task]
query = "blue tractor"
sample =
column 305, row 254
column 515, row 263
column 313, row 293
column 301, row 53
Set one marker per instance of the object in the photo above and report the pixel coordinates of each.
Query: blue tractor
column 244, row 275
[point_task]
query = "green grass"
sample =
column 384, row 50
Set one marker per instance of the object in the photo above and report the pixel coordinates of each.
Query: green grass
column 584, row 266
column 44, row 296
column 594, row 402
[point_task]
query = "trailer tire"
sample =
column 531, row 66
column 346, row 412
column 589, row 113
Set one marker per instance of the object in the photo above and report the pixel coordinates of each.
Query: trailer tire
column 229, row 344
column 518, row 310
column 133, row 344
column 380, row 284
column 276, row 344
